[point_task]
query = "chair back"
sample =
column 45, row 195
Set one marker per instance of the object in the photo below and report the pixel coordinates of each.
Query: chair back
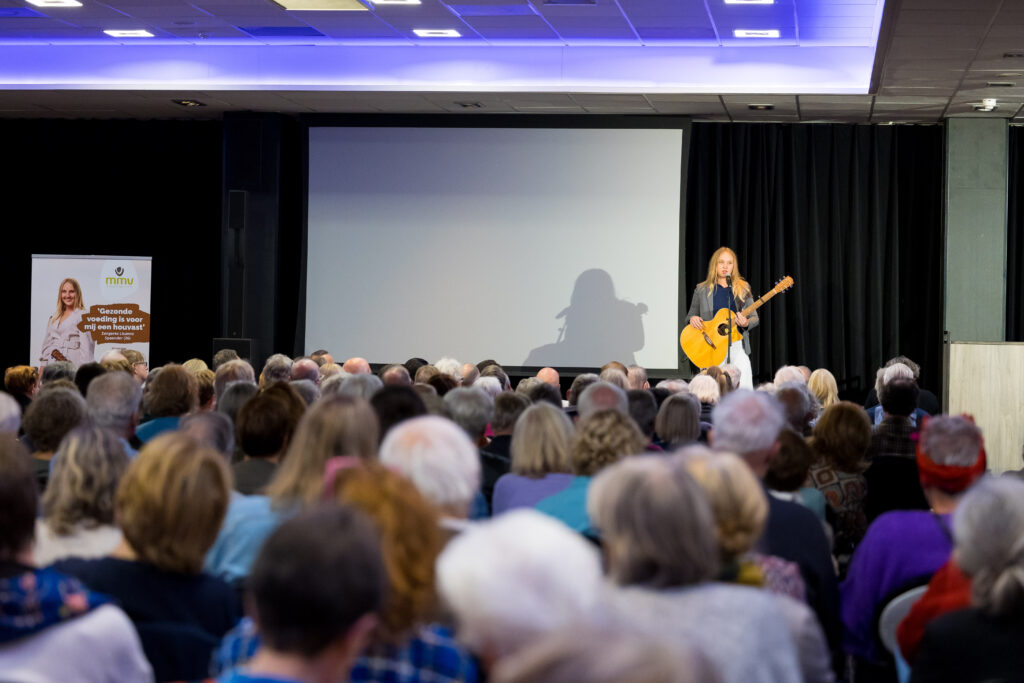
column 893, row 613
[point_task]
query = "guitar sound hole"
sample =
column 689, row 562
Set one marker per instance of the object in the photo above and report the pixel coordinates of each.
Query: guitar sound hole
column 723, row 329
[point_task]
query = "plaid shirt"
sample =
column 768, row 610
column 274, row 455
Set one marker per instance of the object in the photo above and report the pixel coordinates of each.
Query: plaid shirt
column 430, row 656
column 894, row 436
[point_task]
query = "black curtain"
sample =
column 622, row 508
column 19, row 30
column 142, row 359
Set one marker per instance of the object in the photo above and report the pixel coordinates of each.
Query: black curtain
column 1015, row 238
column 127, row 188
column 853, row 213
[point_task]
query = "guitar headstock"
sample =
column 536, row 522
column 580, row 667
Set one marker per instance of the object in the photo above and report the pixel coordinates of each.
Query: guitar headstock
column 783, row 284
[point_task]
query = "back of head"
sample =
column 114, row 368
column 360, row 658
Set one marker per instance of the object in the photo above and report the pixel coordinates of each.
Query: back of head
column 951, row 454
column 789, row 373
column 490, row 386
column 204, row 387
column 363, row 385
column 842, row 435
column 655, row 523
column 737, row 500
column 424, row 374
column 356, row 366
column 211, row 429
column 508, row 406
column 173, row 392
column 171, row 502
column 643, row 409
column 414, row 364
column 334, row 425
column 19, row 500
column 637, row 377
column 86, row 373
column 579, row 384
column 231, row 371
column 988, row 529
column 674, row 385
column 746, row 422
column 788, row 469
column 603, row 438
column 798, row 403
column 505, row 590
column 471, row 409
column 306, row 369
column 222, row 357
column 822, row 384
column 470, row 374
column 113, row 400
column 602, row 396
column 10, row 414
column 234, row 397
column 494, row 370
column 545, row 392
column 194, row 365
column 706, row 389
column 451, row 367
column 443, row 383
column 278, row 368
column 394, row 404
column 61, row 369
column 615, row 365
column 305, row 389
column 395, row 375
column 20, row 380
column 52, row 414
column 87, row 469
column 266, row 423
column 915, row 369
column 678, row 420
column 411, row 536
column 540, row 442
column 526, row 384
column 316, row 576
column 899, row 397
column 438, row 457
column 616, row 377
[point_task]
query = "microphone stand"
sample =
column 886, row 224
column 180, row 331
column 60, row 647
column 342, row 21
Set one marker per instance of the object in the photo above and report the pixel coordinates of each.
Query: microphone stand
column 728, row 343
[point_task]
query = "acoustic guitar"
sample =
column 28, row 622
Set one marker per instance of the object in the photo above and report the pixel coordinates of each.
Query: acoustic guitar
column 708, row 347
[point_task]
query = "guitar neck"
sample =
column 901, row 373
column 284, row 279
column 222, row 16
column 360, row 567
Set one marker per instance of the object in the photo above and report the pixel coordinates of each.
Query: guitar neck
column 762, row 300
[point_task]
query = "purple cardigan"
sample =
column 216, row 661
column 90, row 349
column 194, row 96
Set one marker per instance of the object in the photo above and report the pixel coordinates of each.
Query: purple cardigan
column 901, row 548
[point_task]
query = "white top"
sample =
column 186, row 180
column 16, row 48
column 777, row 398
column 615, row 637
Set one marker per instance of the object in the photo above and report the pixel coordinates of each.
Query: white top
column 82, row 542
column 77, row 346
column 99, row 647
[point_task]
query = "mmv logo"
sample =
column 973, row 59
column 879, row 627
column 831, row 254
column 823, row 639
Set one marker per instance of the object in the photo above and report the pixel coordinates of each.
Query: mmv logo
column 118, row 280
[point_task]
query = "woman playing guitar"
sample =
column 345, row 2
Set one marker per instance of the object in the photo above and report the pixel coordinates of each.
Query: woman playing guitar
column 715, row 294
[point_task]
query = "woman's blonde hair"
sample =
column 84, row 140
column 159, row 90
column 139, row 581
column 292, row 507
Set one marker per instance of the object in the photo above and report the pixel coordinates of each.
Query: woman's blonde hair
column 171, row 502
column 737, row 499
column 334, row 425
column 822, row 384
column 540, row 442
column 87, row 468
column 195, row 365
column 602, row 438
column 79, row 300
column 740, row 287
column 705, row 388
column 411, row 539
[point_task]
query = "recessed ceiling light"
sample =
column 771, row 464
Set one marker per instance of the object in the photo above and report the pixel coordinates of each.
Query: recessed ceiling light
column 189, row 103
column 756, row 33
column 437, row 33
column 760, row 107
column 55, row 3
column 987, row 104
column 750, row 2
column 140, row 33
column 396, row 2
column 323, row 5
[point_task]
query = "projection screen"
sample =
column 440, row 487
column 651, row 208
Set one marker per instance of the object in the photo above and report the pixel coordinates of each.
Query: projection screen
column 532, row 246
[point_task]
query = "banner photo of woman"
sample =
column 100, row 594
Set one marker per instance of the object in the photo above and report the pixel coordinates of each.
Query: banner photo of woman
column 102, row 304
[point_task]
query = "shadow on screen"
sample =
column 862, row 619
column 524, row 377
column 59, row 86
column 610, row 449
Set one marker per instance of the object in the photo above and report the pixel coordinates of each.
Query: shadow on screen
column 596, row 326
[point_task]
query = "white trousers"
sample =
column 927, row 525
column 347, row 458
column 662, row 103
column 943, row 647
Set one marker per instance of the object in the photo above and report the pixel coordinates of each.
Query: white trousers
column 741, row 360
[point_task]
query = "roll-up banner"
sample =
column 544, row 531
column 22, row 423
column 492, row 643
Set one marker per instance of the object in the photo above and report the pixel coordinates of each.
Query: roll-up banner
column 85, row 306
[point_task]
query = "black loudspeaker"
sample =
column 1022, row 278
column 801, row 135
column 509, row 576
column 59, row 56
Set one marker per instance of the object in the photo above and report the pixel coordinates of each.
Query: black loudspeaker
column 243, row 347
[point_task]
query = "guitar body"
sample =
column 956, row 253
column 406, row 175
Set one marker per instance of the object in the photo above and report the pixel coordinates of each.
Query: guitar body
column 708, row 347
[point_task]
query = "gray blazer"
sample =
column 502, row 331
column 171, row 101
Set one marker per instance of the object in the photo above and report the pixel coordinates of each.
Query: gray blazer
column 702, row 302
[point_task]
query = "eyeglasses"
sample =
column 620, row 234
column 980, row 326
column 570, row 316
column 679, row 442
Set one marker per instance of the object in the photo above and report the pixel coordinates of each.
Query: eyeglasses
column 142, row 363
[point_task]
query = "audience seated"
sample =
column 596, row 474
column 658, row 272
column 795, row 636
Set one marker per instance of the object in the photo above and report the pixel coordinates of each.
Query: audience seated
column 78, row 506
column 707, row 391
column 579, row 384
column 839, row 441
column 87, row 372
column 168, row 395
column 211, row 429
column 658, row 535
column 236, row 370
column 113, row 403
column 822, row 384
column 52, row 628
column 601, row 439
column 926, row 400
column 601, row 395
column 644, row 409
column 315, row 590
column 10, row 415
column 278, row 368
column 263, row 431
column 22, row 383
column 891, row 476
column 982, row 642
column 51, row 415
column 678, row 422
column 788, row 471
column 169, row 505
column 540, row 462
column 394, row 404
column 496, row 455
column 903, row 548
